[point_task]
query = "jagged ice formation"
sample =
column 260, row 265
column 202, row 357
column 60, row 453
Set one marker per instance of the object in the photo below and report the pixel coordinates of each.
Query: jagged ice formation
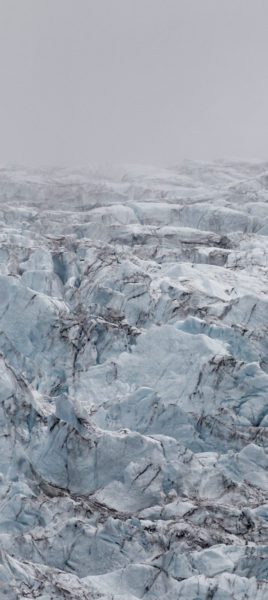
column 134, row 377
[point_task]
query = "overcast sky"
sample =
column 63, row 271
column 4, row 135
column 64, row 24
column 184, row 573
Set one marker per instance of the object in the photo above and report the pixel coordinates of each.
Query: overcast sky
column 123, row 81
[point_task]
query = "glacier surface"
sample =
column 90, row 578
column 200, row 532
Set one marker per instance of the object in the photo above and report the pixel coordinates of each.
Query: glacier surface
column 134, row 379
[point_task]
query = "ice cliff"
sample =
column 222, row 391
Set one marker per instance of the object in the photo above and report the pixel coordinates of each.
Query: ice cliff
column 134, row 379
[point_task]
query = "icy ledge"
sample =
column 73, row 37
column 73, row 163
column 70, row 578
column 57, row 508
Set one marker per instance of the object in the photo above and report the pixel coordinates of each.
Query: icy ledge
column 134, row 379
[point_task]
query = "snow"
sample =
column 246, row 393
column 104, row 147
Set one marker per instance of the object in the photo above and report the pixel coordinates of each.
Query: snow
column 134, row 379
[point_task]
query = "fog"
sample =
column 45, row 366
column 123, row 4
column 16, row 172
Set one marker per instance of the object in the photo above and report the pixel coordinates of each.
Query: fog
column 132, row 81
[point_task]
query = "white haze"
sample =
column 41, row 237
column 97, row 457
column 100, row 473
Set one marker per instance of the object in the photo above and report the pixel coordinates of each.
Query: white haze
column 147, row 81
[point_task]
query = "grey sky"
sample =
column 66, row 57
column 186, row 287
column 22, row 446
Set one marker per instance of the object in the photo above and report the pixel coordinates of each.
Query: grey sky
column 149, row 81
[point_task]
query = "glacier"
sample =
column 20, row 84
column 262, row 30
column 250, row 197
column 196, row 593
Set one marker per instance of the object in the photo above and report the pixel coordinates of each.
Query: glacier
column 134, row 380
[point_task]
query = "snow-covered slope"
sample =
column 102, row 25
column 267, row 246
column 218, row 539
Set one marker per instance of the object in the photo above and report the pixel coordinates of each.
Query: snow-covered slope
column 134, row 379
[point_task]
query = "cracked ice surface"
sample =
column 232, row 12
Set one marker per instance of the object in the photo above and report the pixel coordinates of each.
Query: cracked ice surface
column 134, row 379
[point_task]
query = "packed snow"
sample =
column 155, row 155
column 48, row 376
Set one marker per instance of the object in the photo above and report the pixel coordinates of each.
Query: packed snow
column 134, row 380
